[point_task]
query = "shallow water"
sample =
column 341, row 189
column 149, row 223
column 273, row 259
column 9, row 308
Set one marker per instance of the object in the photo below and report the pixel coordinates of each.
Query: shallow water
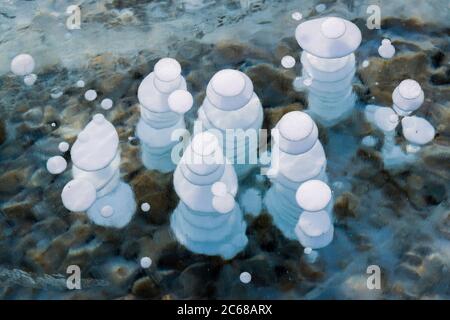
column 398, row 219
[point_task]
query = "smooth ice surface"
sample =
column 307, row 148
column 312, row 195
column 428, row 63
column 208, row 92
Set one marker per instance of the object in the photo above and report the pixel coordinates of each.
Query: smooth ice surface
column 56, row 165
column 121, row 199
column 313, row 195
column 96, row 146
column 22, row 65
column 417, row 130
column 78, row 195
column 311, row 37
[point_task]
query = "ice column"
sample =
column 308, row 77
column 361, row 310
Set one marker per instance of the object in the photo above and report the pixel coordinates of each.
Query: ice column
column 235, row 111
column 162, row 113
column 207, row 219
column 329, row 66
column 297, row 156
column 96, row 185
column 314, row 228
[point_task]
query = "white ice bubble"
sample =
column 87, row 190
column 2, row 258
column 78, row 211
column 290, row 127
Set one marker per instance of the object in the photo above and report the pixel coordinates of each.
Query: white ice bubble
column 56, row 164
column 146, row 262
column 385, row 42
column 307, row 250
column 245, row 277
column 321, row 7
column 106, row 104
column 365, row 63
column 22, row 64
column 78, row 195
column 80, row 84
column 145, row 207
column 219, row 189
column 56, row 93
column 180, row 101
column 288, row 62
column 386, row 51
column 90, row 95
column 297, row 16
column 107, row 211
column 223, row 204
column 30, row 79
column 63, row 146
column 298, row 83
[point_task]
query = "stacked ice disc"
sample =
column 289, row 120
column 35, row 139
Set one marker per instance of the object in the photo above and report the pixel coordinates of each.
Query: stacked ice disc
column 329, row 63
column 314, row 228
column 207, row 219
column 297, row 156
column 407, row 97
column 232, row 108
column 97, row 187
column 161, row 116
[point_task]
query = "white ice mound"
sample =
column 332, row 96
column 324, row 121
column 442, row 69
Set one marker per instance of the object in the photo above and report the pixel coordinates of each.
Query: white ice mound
column 22, row 65
column 78, row 195
column 96, row 146
column 314, row 228
column 417, row 130
column 207, row 219
column 297, row 156
column 386, row 119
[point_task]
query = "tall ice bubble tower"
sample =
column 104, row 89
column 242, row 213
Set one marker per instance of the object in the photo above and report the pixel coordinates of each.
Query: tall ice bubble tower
column 233, row 112
column 164, row 101
column 329, row 66
column 297, row 156
column 207, row 219
column 96, row 186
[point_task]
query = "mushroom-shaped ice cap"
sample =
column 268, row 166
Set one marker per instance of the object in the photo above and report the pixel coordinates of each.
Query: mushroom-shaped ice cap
column 329, row 37
column 385, row 119
column 78, row 195
column 408, row 96
column 417, row 130
column 229, row 89
column 167, row 69
column 180, row 101
column 22, row 65
column 96, row 146
column 313, row 195
column 297, row 132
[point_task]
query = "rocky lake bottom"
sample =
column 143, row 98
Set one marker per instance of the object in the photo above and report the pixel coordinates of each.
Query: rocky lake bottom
column 398, row 219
